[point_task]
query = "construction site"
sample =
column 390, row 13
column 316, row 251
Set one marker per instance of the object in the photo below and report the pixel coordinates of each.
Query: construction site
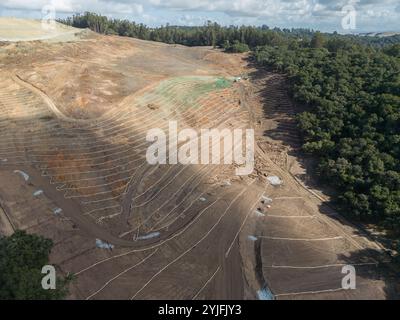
column 75, row 108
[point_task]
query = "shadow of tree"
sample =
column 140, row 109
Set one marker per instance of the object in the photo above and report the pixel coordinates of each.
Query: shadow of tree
column 384, row 271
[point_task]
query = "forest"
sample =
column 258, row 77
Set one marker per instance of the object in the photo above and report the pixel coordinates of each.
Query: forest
column 350, row 86
column 22, row 257
column 352, row 124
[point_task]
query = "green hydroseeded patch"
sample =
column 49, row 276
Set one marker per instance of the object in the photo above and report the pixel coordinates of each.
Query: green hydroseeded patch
column 188, row 96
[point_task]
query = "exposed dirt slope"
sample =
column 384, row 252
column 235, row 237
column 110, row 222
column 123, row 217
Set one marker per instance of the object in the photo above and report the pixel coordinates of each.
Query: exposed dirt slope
column 13, row 30
column 73, row 123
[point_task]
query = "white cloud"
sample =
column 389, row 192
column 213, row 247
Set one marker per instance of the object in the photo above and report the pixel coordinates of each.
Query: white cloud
column 326, row 14
column 101, row 6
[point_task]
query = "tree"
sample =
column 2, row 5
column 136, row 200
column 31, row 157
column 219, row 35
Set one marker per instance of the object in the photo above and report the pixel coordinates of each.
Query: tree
column 393, row 50
column 237, row 47
column 317, row 41
column 352, row 125
column 22, row 257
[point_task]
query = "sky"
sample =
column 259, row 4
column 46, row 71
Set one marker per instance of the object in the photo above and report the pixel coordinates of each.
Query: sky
column 343, row 16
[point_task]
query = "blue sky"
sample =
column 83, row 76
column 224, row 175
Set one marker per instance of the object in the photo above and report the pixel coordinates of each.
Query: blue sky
column 325, row 15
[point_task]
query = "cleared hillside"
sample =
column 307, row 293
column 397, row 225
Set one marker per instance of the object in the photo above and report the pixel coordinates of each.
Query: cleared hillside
column 13, row 29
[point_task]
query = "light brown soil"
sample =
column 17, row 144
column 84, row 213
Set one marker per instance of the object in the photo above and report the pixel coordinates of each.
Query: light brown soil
column 13, row 29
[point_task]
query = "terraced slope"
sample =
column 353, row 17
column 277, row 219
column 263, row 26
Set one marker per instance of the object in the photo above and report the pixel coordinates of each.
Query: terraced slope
column 90, row 188
column 73, row 123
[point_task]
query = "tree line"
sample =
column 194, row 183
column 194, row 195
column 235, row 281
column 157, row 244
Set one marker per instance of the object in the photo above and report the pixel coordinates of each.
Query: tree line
column 211, row 33
column 353, row 120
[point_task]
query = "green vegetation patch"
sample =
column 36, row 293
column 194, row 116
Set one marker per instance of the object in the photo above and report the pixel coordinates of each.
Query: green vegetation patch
column 222, row 83
column 200, row 88
column 236, row 47
column 22, row 257
column 352, row 125
column 184, row 91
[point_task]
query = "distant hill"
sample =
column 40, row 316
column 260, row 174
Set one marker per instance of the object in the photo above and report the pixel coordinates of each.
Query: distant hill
column 380, row 34
column 13, row 29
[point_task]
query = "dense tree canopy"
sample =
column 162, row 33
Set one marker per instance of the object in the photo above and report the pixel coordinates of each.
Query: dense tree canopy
column 317, row 41
column 236, row 47
column 353, row 125
column 22, row 257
